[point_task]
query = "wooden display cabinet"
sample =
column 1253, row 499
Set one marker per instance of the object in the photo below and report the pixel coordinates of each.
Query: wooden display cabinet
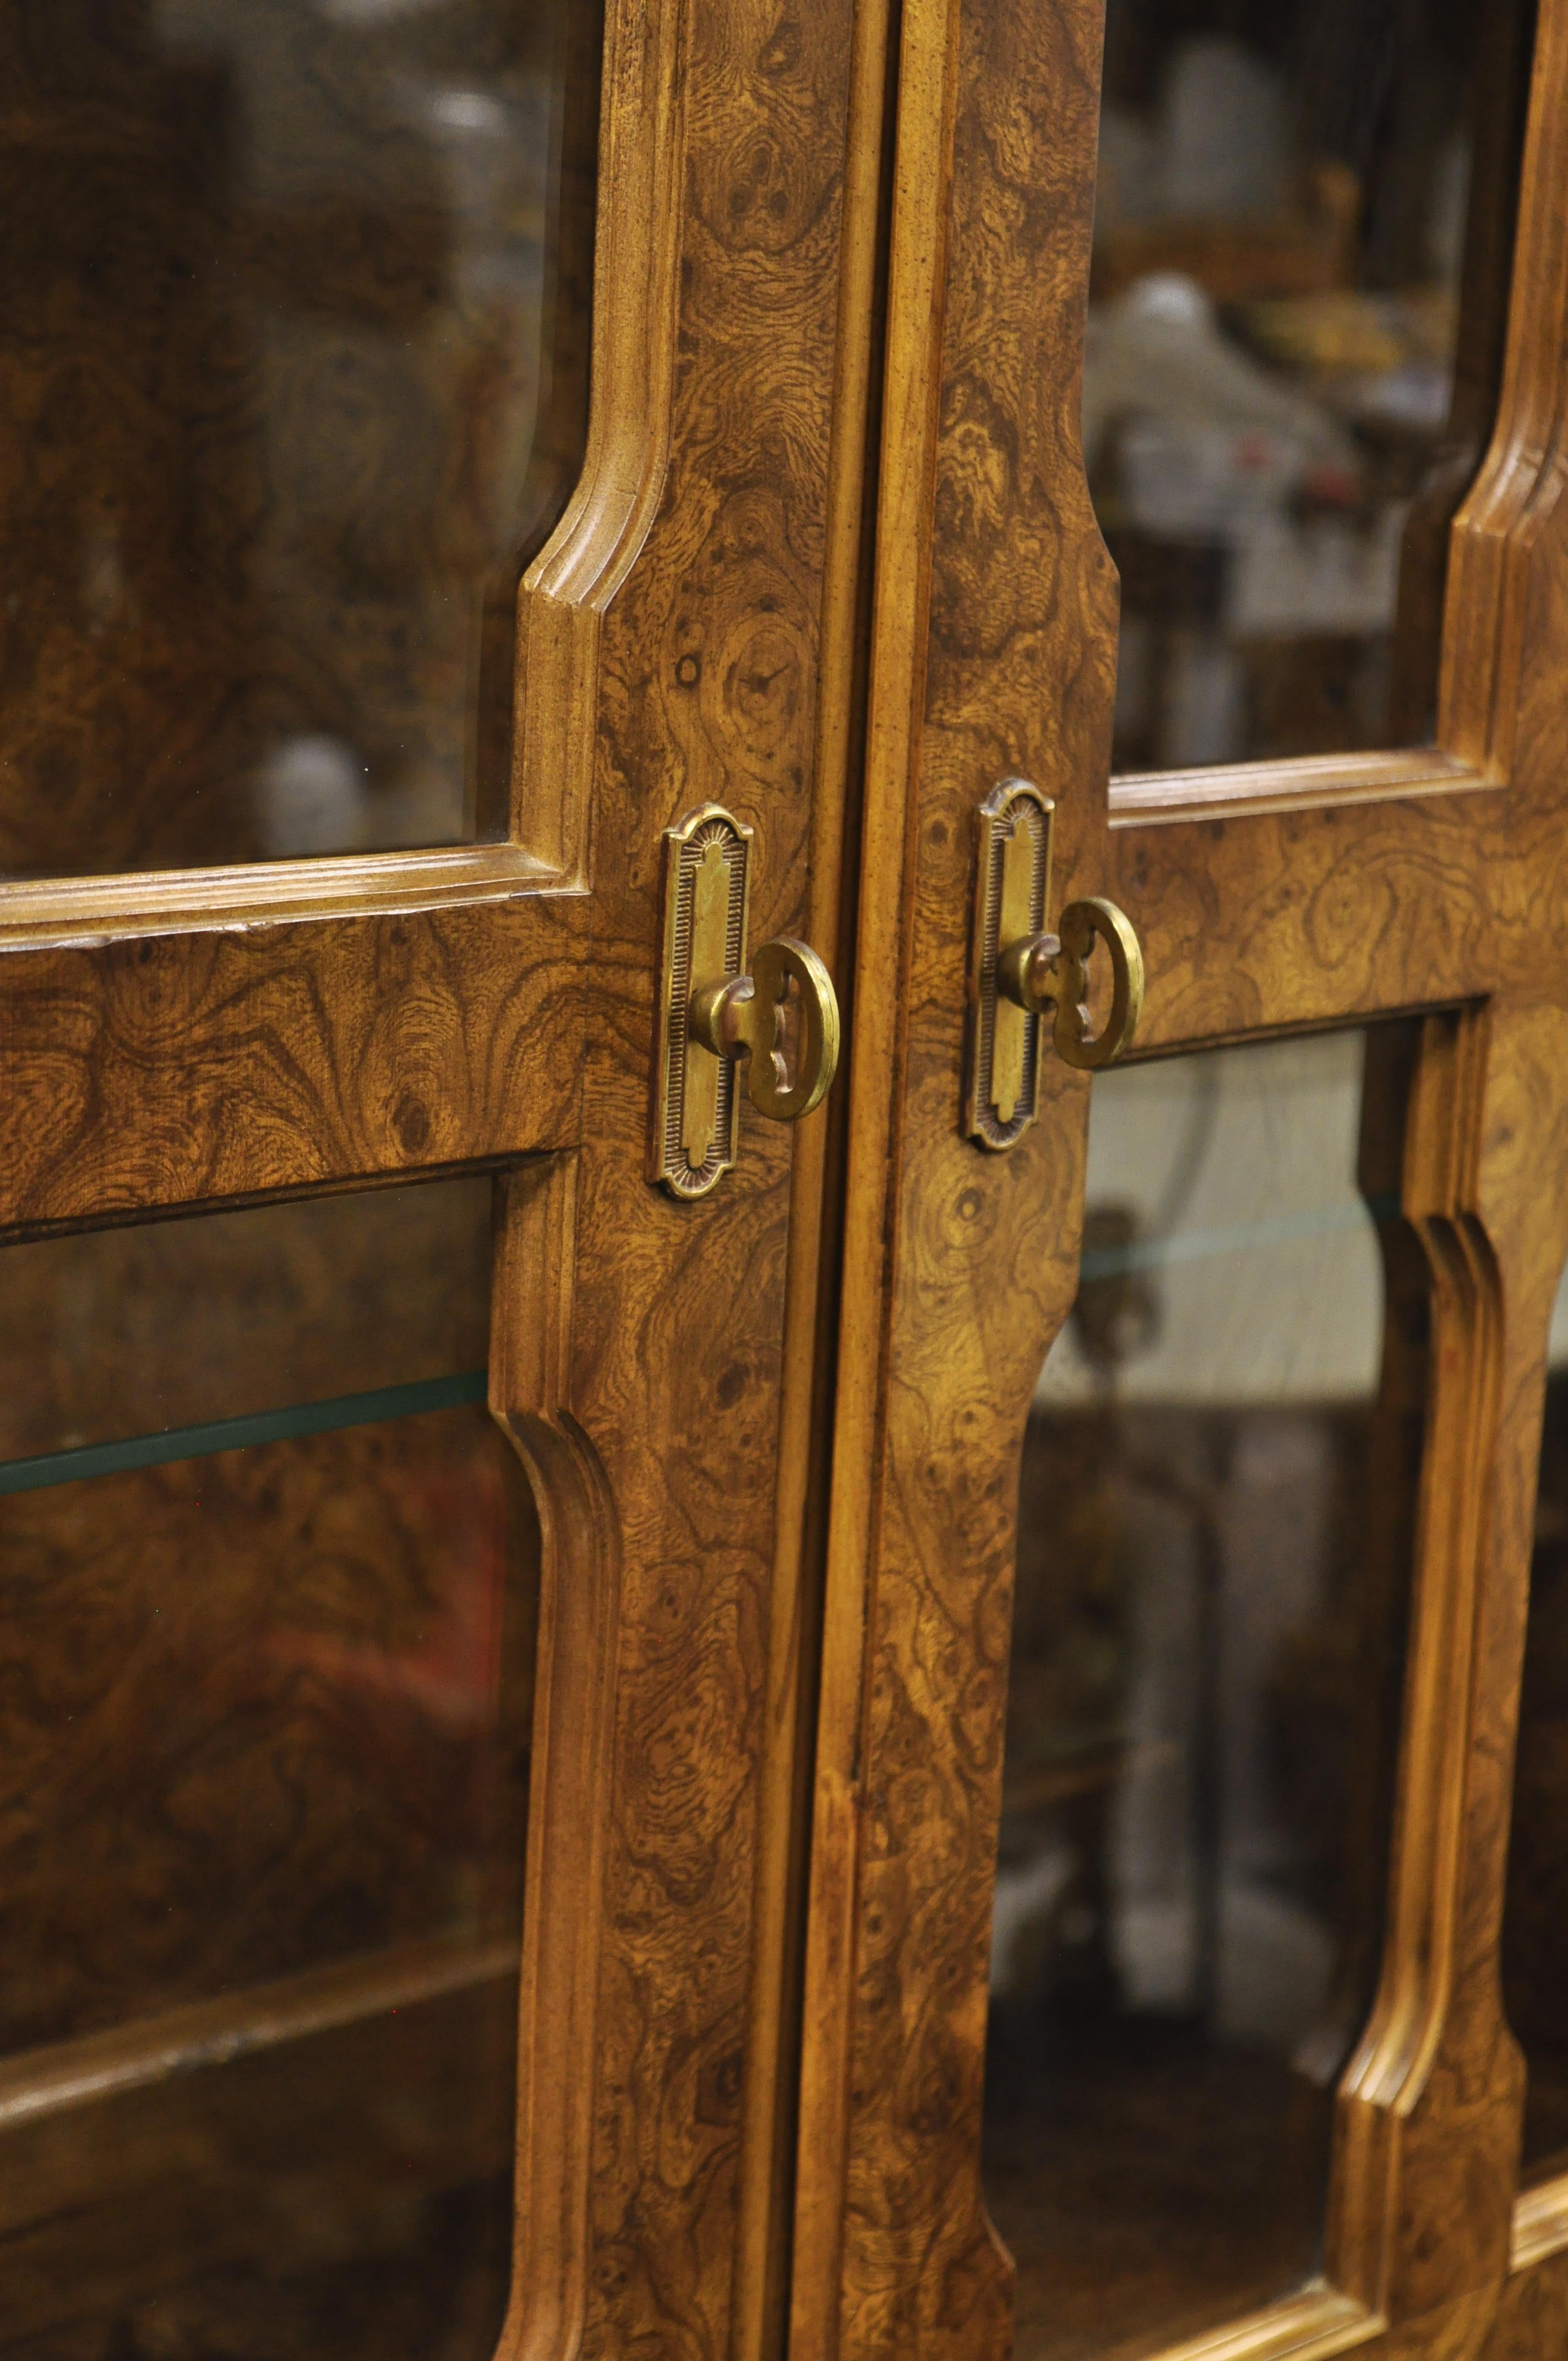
column 529, row 1885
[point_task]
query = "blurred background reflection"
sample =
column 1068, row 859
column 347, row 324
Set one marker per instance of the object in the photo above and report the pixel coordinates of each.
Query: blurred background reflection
column 268, row 1580
column 1214, row 1528
column 1300, row 265
column 293, row 380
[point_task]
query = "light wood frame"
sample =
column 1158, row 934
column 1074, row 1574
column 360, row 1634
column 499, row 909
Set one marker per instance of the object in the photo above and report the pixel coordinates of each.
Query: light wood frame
column 173, row 1042
column 1269, row 899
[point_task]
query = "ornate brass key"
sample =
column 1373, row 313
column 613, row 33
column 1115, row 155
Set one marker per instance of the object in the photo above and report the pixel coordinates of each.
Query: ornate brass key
column 716, row 1020
column 1018, row 970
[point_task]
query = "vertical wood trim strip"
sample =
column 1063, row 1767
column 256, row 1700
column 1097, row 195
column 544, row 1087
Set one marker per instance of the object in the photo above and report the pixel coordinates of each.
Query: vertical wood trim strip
column 1395, row 2059
column 1521, row 481
column 774, row 2028
column 705, row 690
column 1431, row 2108
column 573, row 1747
column 636, row 303
column 918, row 270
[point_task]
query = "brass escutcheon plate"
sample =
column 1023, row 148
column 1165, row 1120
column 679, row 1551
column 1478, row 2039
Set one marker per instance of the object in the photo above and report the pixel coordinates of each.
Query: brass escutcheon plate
column 1012, row 884
column 695, row 1094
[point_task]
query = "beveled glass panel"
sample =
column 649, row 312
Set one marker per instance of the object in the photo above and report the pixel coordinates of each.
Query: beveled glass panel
column 1534, row 1992
column 1302, row 230
column 293, row 324
column 265, row 1704
column 1213, row 1553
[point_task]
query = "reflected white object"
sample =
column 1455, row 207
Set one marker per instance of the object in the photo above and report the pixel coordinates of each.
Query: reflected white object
column 1224, row 133
column 1170, row 298
column 1217, row 147
column 1450, row 214
column 1153, row 1869
column 1274, row 1956
column 1415, row 395
column 1204, row 719
column 1159, row 355
column 1021, row 1897
column 1125, row 178
column 1327, row 575
column 311, row 798
column 1155, row 1954
column 1269, row 1277
column 1277, row 1548
column 1557, row 1351
column 372, row 12
column 1184, row 477
column 1210, row 446
column 1276, row 1962
column 475, row 114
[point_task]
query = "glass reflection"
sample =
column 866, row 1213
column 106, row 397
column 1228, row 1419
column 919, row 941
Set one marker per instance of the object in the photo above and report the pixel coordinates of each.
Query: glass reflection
column 1537, row 1907
column 1281, row 296
column 109, row 1334
column 1212, row 1555
column 265, row 1720
column 292, row 376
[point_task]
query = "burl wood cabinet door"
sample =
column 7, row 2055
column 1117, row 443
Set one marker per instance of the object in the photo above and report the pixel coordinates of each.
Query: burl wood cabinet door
column 429, row 471
column 1184, row 1964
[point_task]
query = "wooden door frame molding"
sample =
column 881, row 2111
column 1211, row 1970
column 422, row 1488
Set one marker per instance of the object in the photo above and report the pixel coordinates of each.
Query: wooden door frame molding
column 184, row 1040
column 290, row 926
column 568, row 588
column 281, row 914
column 571, row 1766
column 1312, row 893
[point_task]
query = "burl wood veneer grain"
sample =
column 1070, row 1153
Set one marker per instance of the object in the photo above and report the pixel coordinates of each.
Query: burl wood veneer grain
column 1001, row 660
column 176, row 1068
column 679, row 611
column 212, row 1041
column 1311, row 898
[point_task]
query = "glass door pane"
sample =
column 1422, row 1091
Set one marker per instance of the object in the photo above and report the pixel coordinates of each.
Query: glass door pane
column 293, row 323
column 1213, row 1559
column 1300, row 264
column 268, row 1591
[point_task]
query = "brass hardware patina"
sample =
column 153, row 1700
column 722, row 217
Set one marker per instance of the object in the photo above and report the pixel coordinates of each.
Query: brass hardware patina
column 1018, row 970
column 714, row 1015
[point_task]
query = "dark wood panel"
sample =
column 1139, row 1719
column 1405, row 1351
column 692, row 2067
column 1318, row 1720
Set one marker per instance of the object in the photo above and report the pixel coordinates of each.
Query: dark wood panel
column 178, row 1068
column 145, row 1326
